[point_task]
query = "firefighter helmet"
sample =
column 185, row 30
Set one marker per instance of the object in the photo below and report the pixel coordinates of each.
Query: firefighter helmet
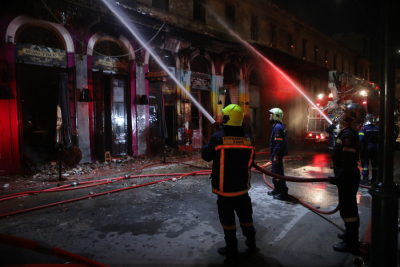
column 277, row 114
column 352, row 114
column 369, row 119
column 232, row 115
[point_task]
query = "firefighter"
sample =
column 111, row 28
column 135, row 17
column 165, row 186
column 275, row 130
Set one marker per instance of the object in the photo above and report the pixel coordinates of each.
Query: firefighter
column 278, row 149
column 347, row 175
column 332, row 131
column 369, row 139
column 233, row 156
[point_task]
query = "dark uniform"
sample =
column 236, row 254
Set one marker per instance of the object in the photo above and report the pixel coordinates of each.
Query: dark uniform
column 332, row 131
column 278, row 142
column 369, row 139
column 345, row 157
column 233, row 155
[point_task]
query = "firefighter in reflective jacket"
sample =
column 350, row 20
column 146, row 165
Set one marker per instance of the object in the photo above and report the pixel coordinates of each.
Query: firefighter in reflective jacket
column 369, row 139
column 278, row 149
column 345, row 157
column 233, row 156
column 332, row 130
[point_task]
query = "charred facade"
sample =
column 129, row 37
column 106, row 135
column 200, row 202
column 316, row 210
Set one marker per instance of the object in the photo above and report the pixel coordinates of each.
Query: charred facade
column 42, row 39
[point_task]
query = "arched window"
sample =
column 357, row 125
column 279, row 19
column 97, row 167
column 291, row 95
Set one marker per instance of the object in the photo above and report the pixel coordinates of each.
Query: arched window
column 39, row 36
column 200, row 64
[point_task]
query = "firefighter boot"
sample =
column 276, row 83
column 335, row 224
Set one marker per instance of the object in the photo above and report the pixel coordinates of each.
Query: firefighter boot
column 276, row 189
column 283, row 195
column 230, row 251
column 250, row 233
column 350, row 243
column 343, row 234
column 365, row 180
column 374, row 176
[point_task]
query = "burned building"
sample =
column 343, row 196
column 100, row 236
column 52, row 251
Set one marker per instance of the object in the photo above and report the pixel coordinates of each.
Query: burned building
column 112, row 79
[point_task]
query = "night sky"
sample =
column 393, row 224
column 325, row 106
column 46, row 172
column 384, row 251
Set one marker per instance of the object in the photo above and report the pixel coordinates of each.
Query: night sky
column 341, row 16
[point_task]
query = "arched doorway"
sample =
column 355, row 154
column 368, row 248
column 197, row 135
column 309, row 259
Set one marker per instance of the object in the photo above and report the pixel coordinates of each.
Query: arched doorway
column 168, row 88
column 255, row 85
column 231, row 82
column 111, row 96
column 200, row 81
column 40, row 60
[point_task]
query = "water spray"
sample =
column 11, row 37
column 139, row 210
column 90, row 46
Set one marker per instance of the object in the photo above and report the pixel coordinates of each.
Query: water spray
column 132, row 29
column 266, row 60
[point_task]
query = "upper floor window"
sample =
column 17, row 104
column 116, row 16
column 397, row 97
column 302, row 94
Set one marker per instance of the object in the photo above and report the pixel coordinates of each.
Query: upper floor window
column 199, row 10
column 335, row 62
column 230, row 15
column 326, row 59
column 161, row 4
column 274, row 35
column 290, row 42
column 304, row 50
column 315, row 54
column 254, row 28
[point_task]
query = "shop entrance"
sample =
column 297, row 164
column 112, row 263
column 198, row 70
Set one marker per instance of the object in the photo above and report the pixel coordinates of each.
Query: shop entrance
column 37, row 100
column 111, row 120
column 201, row 133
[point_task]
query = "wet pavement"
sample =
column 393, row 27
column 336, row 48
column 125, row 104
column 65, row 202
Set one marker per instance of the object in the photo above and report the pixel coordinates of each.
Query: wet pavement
column 175, row 223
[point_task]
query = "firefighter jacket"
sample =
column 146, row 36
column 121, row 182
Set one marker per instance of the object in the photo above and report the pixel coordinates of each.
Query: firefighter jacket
column 279, row 141
column 332, row 131
column 345, row 155
column 233, row 155
column 369, row 137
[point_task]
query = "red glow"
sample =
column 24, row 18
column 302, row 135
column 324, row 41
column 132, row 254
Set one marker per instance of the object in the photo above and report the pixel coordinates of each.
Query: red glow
column 376, row 88
column 317, row 136
column 330, row 95
column 322, row 137
column 365, row 102
column 317, row 104
column 310, row 134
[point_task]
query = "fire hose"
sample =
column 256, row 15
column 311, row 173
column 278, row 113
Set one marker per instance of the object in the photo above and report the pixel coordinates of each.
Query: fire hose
column 176, row 175
column 45, row 249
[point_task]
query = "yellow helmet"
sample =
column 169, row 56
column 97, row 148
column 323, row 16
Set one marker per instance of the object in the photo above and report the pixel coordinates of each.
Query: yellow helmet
column 232, row 115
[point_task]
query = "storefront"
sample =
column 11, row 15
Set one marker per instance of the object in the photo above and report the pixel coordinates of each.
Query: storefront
column 41, row 59
column 111, row 95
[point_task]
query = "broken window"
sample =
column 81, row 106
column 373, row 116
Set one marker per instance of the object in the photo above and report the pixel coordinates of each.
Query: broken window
column 254, row 28
column 199, row 10
column 230, row 15
column 161, row 4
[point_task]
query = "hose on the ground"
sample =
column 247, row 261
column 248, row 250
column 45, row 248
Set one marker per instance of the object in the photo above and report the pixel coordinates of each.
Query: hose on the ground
column 45, row 249
column 98, row 194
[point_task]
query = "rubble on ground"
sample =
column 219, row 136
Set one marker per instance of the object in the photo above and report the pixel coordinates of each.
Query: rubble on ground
column 48, row 173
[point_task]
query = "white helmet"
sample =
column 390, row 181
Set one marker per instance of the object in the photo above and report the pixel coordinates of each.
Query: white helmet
column 277, row 114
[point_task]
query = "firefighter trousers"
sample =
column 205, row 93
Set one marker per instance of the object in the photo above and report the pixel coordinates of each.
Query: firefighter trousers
column 277, row 168
column 348, row 204
column 227, row 206
column 366, row 157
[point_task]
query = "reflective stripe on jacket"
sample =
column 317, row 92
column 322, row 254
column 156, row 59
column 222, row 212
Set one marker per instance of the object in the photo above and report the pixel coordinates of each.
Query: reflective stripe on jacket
column 233, row 155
